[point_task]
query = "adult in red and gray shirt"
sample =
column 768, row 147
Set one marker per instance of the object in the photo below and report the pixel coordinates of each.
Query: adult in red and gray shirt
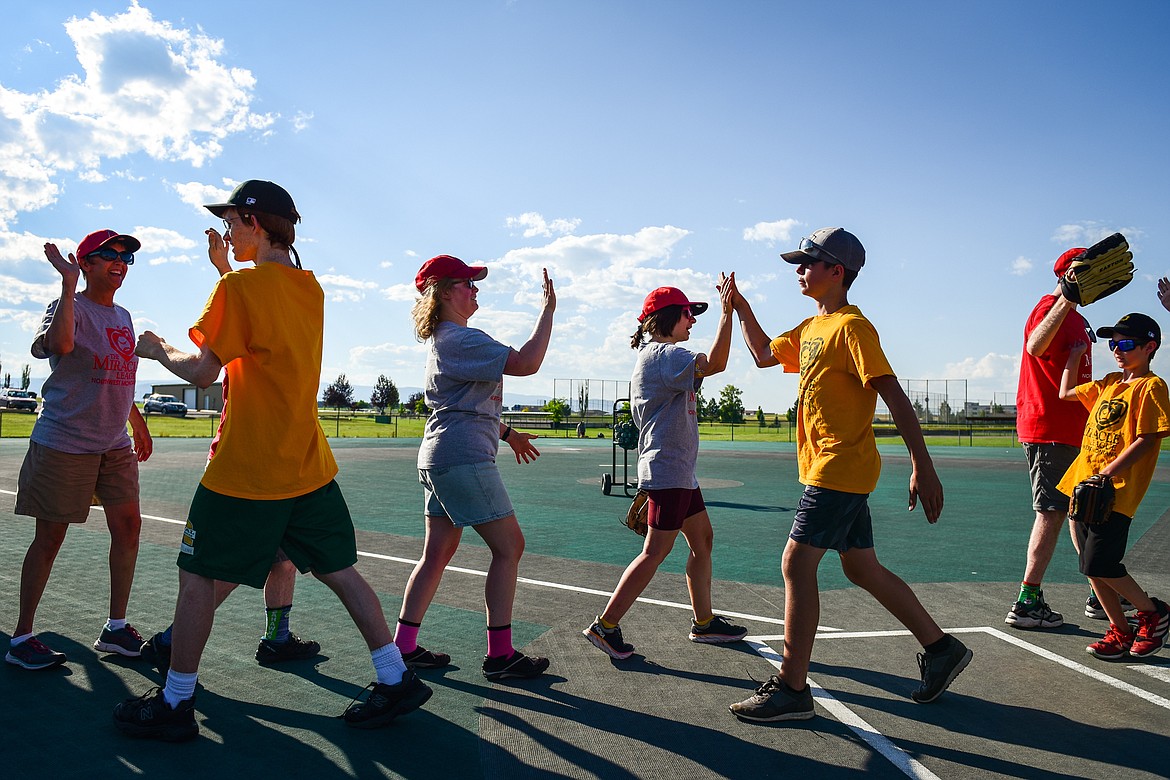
column 1050, row 431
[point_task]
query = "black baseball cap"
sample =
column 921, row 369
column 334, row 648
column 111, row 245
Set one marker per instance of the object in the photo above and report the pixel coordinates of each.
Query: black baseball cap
column 256, row 195
column 833, row 245
column 1134, row 326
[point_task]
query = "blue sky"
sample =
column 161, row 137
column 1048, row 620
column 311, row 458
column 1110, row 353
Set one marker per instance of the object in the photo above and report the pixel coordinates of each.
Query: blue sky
column 624, row 145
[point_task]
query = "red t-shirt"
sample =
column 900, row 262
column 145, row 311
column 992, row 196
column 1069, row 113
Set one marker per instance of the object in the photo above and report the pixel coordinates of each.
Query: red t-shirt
column 1041, row 417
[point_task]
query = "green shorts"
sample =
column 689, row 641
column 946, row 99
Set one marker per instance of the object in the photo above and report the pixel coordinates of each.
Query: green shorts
column 236, row 539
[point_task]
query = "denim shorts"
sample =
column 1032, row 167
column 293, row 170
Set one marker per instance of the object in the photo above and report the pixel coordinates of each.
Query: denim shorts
column 833, row 520
column 1047, row 464
column 470, row 494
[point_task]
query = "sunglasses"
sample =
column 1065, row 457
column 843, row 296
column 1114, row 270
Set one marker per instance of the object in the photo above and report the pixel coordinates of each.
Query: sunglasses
column 815, row 251
column 470, row 284
column 110, row 255
column 227, row 223
column 1123, row 345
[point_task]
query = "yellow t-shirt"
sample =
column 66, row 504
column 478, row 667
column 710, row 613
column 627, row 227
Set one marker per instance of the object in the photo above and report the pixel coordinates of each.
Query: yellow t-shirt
column 1119, row 413
column 265, row 323
column 837, row 355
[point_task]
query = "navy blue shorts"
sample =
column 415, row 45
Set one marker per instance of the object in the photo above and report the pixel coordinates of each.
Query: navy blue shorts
column 833, row 520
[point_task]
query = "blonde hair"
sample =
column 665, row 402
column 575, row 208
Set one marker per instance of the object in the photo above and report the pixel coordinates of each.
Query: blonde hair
column 427, row 309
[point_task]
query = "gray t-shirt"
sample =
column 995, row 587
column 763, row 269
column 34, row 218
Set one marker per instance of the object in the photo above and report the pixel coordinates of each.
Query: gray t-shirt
column 464, row 387
column 662, row 403
column 89, row 391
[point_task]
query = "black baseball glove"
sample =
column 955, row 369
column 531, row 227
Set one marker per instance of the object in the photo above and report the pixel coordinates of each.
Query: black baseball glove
column 1092, row 500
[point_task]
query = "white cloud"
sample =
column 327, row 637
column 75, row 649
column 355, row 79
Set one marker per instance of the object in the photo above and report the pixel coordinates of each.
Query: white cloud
column 344, row 289
column 171, row 260
column 1090, row 232
column 172, row 98
column 535, row 225
column 17, row 292
column 156, row 239
column 196, row 194
column 300, row 120
column 1021, row 265
column 400, row 292
column 771, row 232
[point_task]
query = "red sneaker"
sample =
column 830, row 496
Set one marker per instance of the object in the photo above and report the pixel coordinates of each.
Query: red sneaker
column 1152, row 629
column 1114, row 645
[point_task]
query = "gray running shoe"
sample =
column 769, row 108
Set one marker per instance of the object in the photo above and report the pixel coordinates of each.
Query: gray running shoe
column 775, row 701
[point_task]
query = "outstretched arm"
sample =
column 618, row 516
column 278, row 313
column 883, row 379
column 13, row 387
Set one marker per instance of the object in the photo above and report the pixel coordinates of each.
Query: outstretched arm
column 527, row 361
column 1042, row 336
column 58, row 339
column 716, row 360
column 924, row 482
column 754, row 336
column 200, row 370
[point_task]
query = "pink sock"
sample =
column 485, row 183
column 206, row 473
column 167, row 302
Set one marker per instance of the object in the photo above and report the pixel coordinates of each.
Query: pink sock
column 406, row 637
column 500, row 641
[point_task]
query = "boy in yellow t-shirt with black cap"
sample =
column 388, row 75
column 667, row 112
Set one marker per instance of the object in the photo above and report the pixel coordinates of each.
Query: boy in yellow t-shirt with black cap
column 842, row 372
column 1129, row 415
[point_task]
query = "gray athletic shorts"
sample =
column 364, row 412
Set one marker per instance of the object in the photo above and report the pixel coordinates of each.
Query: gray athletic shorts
column 1047, row 464
column 470, row 494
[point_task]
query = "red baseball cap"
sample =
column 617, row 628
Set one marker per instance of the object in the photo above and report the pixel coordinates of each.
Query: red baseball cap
column 447, row 267
column 1065, row 260
column 100, row 239
column 668, row 296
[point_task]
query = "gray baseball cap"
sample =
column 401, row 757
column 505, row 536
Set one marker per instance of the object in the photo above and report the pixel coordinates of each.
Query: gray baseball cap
column 834, row 245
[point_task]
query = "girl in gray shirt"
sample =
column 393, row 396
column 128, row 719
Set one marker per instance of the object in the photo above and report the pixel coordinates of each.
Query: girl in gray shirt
column 662, row 403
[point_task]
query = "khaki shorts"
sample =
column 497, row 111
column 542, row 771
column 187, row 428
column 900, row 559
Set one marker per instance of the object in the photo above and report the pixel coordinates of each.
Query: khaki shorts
column 61, row 486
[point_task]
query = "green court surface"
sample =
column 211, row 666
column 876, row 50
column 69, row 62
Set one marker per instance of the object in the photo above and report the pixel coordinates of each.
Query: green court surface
column 1032, row 704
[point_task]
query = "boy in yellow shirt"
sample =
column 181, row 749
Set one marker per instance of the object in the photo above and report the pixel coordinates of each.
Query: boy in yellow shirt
column 842, row 372
column 1129, row 414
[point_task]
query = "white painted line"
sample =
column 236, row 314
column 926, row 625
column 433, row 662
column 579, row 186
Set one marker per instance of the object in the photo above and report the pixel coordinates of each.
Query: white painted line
column 1160, row 673
column 528, row 581
column 908, row 765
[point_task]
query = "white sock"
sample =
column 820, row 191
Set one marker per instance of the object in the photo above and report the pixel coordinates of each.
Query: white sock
column 180, row 687
column 19, row 640
column 114, row 624
column 388, row 665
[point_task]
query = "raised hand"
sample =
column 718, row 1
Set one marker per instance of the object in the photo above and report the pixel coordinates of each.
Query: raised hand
column 69, row 269
column 548, row 295
column 217, row 250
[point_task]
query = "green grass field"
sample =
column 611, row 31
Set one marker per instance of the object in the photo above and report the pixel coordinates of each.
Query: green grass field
column 14, row 424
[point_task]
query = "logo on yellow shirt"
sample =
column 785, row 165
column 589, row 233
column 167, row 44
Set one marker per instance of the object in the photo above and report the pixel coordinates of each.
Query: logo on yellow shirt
column 809, row 352
column 1110, row 413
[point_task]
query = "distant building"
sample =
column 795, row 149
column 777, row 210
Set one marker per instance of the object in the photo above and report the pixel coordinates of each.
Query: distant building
column 206, row 399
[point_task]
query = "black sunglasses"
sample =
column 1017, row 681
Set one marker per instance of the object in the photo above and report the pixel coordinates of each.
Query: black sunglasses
column 815, row 250
column 111, row 255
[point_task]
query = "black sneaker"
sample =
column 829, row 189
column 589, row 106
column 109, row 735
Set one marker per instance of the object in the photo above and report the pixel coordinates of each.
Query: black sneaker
column 1033, row 614
column 293, row 649
column 1093, row 607
column 157, row 653
column 421, row 658
column 939, row 670
column 718, row 631
column 515, row 665
column 124, row 641
column 387, row 702
column 150, row 717
column 34, row 654
column 609, row 640
column 775, row 701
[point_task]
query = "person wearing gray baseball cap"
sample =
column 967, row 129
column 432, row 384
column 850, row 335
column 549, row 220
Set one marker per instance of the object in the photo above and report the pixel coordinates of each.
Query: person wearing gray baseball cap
column 843, row 371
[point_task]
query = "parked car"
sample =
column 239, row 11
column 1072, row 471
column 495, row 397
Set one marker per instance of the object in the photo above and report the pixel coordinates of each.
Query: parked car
column 164, row 404
column 18, row 399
